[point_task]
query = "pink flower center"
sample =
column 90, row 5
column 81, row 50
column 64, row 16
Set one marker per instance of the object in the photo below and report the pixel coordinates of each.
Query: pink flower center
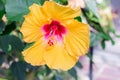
column 54, row 31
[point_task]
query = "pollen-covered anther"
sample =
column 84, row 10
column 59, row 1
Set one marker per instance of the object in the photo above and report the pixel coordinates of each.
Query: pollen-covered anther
column 50, row 43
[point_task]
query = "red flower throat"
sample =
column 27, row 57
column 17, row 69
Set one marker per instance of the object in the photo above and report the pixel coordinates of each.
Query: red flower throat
column 54, row 29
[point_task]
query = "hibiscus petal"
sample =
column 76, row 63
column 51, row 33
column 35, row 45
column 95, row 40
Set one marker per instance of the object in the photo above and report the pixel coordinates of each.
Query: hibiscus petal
column 38, row 12
column 58, row 58
column 31, row 34
column 34, row 54
column 61, row 54
column 58, row 12
column 76, row 41
column 33, row 21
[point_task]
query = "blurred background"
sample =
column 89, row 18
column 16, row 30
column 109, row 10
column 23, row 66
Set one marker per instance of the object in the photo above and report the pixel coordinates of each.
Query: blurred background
column 102, row 61
column 106, row 65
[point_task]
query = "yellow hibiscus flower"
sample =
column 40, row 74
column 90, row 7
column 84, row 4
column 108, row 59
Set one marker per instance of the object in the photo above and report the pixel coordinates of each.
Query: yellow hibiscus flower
column 59, row 38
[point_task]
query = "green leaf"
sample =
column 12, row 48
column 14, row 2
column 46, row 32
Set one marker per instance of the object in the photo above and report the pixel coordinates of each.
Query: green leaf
column 30, row 2
column 91, row 4
column 103, row 44
column 58, row 1
column 2, row 10
column 1, row 58
column 16, row 9
column 79, row 19
column 78, row 64
column 57, row 77
column 10, row 43
column 90, row 57
column 9, row 28
column 73, row 73
column 42, row 1
column 118, row 36
column 30, row 67
column 106, row 36
column 94, row 39
column 2, row 26
column 28, row 45
column 48, row 71
column 65, row 2
column 94, row 23
column 18, row 69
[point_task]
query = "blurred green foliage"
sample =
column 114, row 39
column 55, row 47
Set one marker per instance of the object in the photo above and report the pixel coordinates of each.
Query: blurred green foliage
column 11, row 43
